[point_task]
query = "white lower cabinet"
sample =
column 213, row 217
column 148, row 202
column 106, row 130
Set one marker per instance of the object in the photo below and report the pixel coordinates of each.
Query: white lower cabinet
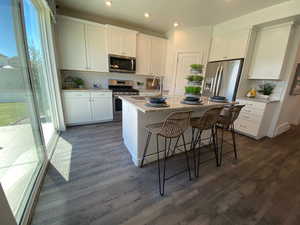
column 83, row 107
column 255, row 118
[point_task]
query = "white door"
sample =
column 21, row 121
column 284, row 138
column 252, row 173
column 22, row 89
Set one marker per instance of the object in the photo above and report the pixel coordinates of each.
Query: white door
column 96, row 48
column 143, row 56
column 184, row 60
column 102, row 108
column 71, row 44
column 77, row 110
column 158, row 53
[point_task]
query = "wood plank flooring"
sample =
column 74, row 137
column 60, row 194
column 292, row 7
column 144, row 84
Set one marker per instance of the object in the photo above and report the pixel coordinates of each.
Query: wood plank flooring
column 92, row 181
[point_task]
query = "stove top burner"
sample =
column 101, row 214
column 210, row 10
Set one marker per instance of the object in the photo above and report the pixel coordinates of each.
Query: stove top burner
column 123, row 90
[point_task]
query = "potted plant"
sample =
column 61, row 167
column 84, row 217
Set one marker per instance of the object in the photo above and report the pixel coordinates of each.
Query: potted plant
column 266, row 90
column 196, row 68
column 79, row 82
column 193, row 91
column 195, row 79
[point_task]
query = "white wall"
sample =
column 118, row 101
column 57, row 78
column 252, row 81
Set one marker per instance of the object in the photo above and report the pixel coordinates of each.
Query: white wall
column 286, row 113
column 276, row 12
column 190, row 39
column 290, row 111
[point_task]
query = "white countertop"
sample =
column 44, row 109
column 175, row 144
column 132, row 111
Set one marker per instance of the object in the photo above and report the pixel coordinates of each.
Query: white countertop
column 174, row 103
column 259, row 100
column 88, row 89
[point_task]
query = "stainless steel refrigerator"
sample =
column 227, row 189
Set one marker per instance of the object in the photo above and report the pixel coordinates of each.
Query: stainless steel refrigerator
column 222, row 78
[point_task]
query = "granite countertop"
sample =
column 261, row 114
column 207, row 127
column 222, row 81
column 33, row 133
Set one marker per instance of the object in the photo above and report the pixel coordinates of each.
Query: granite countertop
column 259, row 100
column 87, row 89
column 174, row 103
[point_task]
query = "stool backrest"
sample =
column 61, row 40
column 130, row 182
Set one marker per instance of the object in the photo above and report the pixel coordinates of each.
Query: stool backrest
column 175, row 124
column 229, row 114
column 210, row 117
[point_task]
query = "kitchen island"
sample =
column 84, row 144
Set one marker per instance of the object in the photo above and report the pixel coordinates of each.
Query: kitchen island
column 136, row 115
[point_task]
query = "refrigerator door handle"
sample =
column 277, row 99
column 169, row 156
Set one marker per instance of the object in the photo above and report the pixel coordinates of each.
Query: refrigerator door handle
column 214, row 82
column 219, row 81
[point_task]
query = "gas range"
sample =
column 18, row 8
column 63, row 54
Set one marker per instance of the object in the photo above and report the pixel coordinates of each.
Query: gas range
column 120, row 87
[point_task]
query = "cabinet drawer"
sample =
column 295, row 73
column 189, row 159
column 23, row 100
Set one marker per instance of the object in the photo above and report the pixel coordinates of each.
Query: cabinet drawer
column 252, row 104
column 251, row 111
column 72, row 94
column 247, row 127
column 250, row 117
column 99, row 94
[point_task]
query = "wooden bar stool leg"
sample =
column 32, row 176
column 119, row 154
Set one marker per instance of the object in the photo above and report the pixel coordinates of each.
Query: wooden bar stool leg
column 233, row 140
column 146, row 147
column 187, row 158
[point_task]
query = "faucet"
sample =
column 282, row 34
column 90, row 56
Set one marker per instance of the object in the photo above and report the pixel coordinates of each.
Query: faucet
column 160, row 79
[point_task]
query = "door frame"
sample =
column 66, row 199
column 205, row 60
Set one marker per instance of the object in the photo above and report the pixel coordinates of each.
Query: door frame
column 204, row 60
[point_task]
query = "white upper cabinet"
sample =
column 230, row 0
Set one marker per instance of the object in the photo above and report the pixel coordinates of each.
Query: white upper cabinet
column 269, row 50
column 70, row 35
column 218, row 48
column 81, row 45
column 229, row 45
column 158, row 55
column 151, row 54
column 121, row 41
column 143, row 54
column 97, row 58
column 238, row 43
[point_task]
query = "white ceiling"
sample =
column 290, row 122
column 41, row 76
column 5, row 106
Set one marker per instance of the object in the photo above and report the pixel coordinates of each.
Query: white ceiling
column 164, row 12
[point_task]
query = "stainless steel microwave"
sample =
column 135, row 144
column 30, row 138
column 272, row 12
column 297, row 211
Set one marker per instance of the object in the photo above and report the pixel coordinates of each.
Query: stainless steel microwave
column 122, row 64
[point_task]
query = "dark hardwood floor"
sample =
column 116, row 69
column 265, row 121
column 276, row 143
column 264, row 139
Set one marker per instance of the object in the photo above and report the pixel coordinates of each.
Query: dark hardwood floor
column 92, row 181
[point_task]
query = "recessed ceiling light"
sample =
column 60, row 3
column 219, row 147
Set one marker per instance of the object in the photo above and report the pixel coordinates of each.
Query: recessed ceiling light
column 108, row 3
column 175, row 24
column 147, row 15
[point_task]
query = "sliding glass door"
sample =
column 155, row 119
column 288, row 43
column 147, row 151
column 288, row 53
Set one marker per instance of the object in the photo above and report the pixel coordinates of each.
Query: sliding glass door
column 28, row 118
column 33, row 20
column 21, row 151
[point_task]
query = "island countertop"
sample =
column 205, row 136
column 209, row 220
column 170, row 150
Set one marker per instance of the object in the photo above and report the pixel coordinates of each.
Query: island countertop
column 174, row 103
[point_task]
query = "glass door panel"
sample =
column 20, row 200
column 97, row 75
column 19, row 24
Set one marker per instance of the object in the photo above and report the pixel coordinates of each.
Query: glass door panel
column 39, row 65
column 21, row 153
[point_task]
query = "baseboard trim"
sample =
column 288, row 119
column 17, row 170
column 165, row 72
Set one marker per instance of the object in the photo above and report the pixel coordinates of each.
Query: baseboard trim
column 282, row 128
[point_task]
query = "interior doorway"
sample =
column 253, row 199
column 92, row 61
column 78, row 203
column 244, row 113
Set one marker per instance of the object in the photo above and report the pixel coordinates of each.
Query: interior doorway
column 183, row 62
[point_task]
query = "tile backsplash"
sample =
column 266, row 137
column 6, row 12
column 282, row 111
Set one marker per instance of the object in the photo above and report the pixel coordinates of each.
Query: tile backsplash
column 278, row 90
column 90, row 78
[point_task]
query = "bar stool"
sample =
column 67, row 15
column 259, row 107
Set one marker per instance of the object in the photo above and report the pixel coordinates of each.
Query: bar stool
column 199, row 125
column 172, row 128
column 226, row 121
